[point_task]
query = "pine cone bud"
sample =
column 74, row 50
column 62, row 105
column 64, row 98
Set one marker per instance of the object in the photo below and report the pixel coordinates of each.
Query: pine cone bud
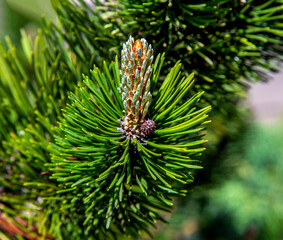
column 147, row 128
column 136, row 68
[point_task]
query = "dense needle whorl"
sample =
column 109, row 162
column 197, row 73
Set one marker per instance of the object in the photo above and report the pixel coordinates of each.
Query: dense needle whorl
column 136, row 68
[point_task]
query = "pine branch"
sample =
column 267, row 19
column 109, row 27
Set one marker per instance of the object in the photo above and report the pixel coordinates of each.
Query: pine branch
column 221, row 42
column 212, row 38
column 28, row 152
column 112, row 173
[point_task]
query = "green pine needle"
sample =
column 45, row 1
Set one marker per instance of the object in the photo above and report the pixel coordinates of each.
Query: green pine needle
column 119, row 183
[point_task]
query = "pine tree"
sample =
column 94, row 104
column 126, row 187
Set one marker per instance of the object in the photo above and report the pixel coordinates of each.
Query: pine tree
column 95, row 152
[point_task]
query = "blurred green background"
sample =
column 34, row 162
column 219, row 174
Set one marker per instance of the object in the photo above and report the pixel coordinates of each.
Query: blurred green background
column 17, row 14
column 244, row 197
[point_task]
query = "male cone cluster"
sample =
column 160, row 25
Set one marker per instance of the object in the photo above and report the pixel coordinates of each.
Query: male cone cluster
column 136, row 68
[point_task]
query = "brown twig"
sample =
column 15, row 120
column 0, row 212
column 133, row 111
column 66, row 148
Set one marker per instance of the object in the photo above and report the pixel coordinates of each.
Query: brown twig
column 8, row 225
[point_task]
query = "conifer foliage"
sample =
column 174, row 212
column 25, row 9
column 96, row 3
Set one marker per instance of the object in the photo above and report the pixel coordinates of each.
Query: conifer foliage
column 120, row 179
column 90, row 154
column 224, row 42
